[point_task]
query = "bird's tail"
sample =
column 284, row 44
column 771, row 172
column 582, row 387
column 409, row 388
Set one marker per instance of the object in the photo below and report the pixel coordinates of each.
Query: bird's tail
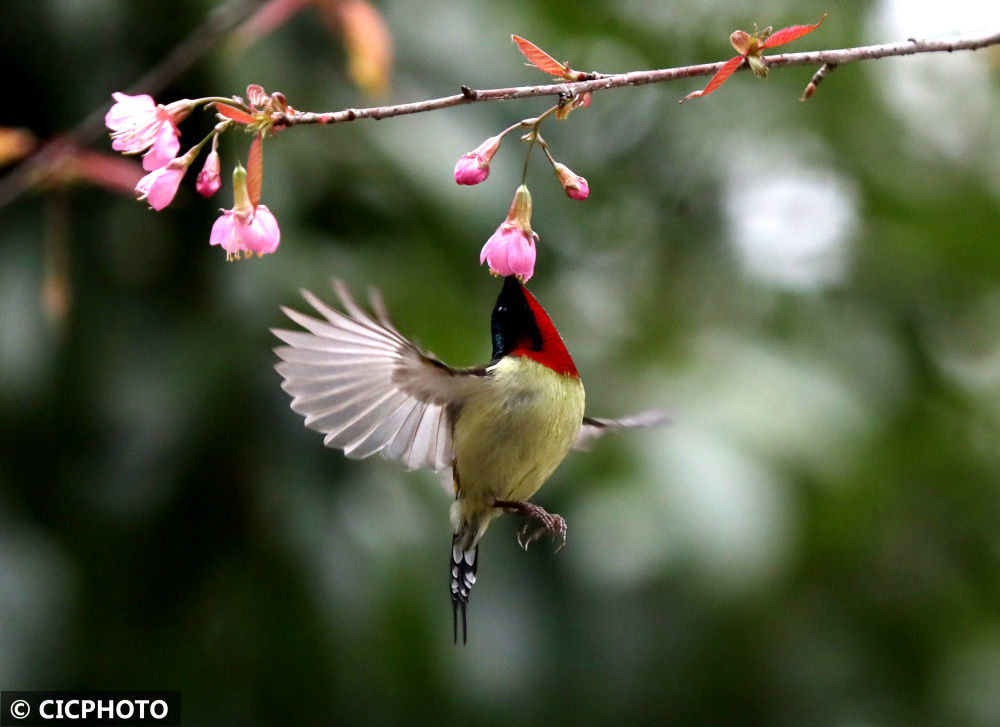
column 464, row 562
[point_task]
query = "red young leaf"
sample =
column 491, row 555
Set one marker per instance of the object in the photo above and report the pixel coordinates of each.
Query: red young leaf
column 15, row 144
column 366, row 39
column 110, row 171
column 255, row 171
column 718, row 79
column 787, row 35
column 240, row 117
column 266, row 19
column 540, row 59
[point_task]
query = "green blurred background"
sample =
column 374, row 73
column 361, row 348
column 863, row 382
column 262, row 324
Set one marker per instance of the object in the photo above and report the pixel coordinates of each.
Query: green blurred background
column 812, row 289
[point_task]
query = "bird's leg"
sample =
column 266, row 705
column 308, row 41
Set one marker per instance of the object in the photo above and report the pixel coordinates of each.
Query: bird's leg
column 548, row 523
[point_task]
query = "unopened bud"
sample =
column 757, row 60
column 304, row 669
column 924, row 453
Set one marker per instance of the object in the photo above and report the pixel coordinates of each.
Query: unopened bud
column 474, row 167
column 209, row 180
column 574, row 185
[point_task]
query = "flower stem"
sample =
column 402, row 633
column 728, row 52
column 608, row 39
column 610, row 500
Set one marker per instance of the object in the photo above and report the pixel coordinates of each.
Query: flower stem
column 533, row 137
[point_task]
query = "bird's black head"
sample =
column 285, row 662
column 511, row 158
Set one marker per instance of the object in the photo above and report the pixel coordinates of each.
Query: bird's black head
column 521, row 327
column 513, row 322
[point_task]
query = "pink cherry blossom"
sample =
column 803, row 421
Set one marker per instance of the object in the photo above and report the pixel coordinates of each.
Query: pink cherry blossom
column 474, row 167
column 138, row 123
column 238, row 233
column 510, row 251
column 160, row 185
column 209, row 181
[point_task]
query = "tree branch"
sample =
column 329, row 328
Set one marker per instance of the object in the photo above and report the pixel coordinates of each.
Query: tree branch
column 828, row 58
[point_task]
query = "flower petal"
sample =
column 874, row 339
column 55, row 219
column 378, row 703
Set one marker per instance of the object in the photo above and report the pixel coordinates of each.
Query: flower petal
column 262, row 235
column 164, row 149
column 223, row 234
column 127, row 109
column 159, row 186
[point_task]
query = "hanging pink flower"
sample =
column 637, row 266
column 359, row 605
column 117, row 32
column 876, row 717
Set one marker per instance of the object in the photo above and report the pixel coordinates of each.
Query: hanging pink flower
column 511, row 249
column 138, row 123
column 245, row 229
column 259, row 234
column 160, row 185
column 474, row 167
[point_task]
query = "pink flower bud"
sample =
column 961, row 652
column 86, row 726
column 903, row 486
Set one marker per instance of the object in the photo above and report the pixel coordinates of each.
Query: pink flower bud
column 575, row 186
column 209, row 179
column 469, row 170
column 511, row 249
column 160, row 185
column 474, row 167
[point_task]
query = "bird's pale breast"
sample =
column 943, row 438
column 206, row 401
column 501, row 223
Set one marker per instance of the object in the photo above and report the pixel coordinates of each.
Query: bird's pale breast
column 512, row 436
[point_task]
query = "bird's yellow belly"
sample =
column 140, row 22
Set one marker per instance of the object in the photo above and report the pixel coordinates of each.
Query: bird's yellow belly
column 513, row 436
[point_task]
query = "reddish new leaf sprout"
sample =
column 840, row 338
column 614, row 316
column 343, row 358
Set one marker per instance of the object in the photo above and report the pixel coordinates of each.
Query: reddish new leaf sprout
column 750, row 48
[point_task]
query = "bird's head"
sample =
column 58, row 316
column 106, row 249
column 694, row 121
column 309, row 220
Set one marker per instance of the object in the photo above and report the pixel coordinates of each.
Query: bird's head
column 521, row 327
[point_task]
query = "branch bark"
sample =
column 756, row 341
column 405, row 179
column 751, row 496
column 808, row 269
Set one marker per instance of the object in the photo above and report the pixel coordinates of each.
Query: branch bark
column 828, row 58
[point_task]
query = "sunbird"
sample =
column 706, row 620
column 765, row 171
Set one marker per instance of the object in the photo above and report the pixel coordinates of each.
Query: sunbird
column 502, row 428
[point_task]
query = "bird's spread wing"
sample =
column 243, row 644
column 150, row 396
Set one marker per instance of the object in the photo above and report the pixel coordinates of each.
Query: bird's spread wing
column 367, row 388
column 593, row 428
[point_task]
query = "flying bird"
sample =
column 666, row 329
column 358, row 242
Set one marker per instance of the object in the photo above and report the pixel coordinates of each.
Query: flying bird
column 501, row 428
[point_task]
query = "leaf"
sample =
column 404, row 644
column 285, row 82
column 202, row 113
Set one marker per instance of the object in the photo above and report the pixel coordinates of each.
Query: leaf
column 718, row 79
column 230, row 112
column 540, row 59
column 255, row 171
column 271, row 15
column 787, row 35
column 15, row 144
column 366, row 39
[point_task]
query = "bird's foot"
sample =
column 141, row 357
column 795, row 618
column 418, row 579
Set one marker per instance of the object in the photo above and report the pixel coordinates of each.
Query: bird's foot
column 547, row 523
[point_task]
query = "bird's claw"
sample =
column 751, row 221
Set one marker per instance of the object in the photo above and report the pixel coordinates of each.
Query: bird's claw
column 546, row 523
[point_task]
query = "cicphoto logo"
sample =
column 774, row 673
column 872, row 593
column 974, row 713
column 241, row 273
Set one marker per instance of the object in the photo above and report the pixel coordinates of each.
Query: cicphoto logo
column 30, row 709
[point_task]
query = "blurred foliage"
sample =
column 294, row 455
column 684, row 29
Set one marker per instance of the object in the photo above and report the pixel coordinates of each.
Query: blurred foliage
column 813, row 289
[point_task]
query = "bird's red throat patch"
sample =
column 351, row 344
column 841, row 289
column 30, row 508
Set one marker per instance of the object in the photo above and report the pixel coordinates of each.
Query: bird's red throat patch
column 553, row 353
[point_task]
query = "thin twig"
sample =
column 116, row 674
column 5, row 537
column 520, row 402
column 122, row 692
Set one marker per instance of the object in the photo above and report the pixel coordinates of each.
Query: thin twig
column 830, row 58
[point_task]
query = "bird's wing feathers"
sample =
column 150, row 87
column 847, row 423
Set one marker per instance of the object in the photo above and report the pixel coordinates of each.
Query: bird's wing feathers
column 593, row 428
column 366, row 387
